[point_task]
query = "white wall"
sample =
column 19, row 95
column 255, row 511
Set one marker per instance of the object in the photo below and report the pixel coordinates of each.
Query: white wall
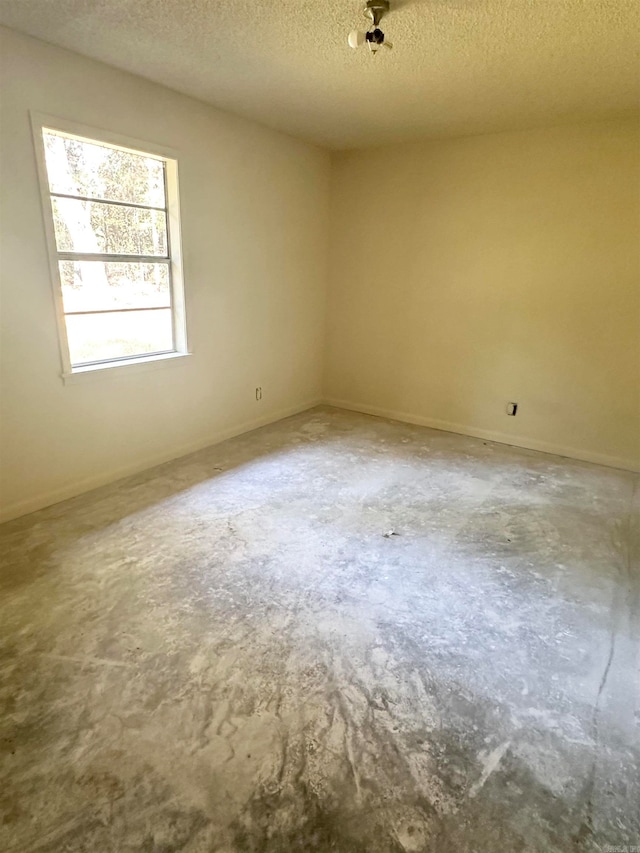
column 472, row 272
column 463, row 274
column 254, row 216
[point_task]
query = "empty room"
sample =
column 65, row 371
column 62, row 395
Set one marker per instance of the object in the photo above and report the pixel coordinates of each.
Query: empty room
column 320, row 426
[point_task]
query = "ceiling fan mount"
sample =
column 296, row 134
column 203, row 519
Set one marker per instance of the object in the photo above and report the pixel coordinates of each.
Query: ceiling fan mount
column 373, row 37
column 375, row 9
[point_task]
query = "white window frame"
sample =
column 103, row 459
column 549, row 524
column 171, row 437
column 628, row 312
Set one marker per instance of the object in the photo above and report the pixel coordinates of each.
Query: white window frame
column 69, row 374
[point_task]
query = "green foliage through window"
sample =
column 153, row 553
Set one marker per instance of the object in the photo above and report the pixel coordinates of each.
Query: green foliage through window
column 107, row 201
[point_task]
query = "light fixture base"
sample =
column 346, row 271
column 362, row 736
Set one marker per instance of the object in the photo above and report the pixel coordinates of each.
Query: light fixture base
column 375, row 9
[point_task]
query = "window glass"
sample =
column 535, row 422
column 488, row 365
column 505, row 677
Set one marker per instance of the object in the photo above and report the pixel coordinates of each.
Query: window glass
column 102, row 337
column 107, row 286
column 107, row 201
column 109, row 229
column 81, row 168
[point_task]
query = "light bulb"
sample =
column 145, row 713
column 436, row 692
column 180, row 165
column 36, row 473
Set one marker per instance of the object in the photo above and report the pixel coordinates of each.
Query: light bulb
column 356, row 38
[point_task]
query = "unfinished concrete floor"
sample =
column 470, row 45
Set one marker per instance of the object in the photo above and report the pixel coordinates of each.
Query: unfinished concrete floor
column 337, row 633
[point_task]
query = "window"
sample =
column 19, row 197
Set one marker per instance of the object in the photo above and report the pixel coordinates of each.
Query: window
column 114, row 237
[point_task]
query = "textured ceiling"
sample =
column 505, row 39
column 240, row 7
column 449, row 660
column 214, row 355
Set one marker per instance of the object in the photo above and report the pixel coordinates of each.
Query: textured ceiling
column 458, row 66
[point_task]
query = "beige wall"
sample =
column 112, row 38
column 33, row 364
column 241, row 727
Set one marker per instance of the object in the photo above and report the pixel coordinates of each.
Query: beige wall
column 472, row 272
column 254, row 212
column 463, row 274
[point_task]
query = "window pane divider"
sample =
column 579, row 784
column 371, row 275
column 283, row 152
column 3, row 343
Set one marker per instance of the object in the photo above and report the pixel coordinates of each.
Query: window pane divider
column 109, row 201
column 117, row 310
column 113, row 258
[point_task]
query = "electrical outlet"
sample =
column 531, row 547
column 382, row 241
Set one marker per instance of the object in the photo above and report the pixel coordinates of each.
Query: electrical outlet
column 512, row 408
column 259, row 393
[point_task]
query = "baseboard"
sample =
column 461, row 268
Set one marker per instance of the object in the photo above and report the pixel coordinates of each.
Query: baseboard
column 72, row 490
column 489, row 435
column 78, row 487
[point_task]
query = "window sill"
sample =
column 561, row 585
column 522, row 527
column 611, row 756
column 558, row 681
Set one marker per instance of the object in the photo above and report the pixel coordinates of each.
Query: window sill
column 121, row 368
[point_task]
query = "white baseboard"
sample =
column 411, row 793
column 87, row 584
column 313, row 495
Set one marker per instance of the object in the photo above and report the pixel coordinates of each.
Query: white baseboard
column 72, row 490
column 489, row 435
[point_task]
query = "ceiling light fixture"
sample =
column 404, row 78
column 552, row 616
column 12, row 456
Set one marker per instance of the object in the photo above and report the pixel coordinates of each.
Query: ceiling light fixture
column 373, row 37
